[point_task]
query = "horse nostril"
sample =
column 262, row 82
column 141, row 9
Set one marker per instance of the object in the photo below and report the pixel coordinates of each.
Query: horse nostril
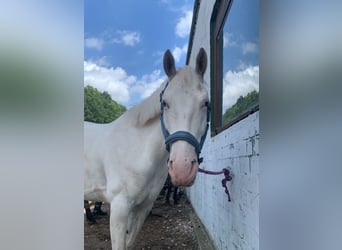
column 193, row 164
column 171, row 164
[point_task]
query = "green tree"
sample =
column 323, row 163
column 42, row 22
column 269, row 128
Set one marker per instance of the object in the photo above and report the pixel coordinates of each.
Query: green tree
column 99, row 106
column 242, row 105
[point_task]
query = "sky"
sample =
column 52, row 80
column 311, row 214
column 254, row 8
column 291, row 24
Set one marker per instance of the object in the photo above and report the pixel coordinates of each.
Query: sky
column 124, row 43
column 241, row 51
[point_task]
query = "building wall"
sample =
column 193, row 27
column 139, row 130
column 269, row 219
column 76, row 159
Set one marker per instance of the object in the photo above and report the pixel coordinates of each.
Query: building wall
column 231, row 225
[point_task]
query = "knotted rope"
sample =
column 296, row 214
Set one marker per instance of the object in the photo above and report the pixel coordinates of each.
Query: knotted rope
column 227, row 177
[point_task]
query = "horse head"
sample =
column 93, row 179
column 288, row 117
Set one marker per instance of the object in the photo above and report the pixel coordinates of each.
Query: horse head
column 184, row 117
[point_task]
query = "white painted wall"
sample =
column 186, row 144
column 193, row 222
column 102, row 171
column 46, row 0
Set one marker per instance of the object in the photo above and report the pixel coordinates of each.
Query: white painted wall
column 231, row 225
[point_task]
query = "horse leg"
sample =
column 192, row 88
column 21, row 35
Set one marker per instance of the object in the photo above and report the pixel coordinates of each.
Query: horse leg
column 119, row 211
column 175, row 195
column 136, row 221
column 162, row 192
column 168, row 193
column 89, row 215
column 98, row 210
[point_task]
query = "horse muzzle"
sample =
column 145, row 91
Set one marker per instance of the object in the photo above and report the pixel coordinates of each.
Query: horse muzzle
column 183, row 164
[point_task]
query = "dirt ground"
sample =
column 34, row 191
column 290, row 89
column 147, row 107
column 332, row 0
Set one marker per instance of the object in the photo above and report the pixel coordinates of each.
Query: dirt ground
column 167, row 227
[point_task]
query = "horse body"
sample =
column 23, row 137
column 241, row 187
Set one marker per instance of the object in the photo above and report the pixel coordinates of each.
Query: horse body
column 128, row 174
column 125, row 161
column 127, row 164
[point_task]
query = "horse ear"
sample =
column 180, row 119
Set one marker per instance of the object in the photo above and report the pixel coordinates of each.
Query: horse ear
column 201, row 62
column 169, row 64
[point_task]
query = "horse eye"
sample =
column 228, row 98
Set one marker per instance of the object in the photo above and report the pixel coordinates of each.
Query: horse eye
column 206, row 104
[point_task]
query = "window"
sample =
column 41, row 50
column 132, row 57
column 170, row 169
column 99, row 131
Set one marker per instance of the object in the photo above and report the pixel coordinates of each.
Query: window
column 235, row 62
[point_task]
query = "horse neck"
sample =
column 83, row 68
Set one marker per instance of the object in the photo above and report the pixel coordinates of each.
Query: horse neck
column 148, row 110
column 145, row 117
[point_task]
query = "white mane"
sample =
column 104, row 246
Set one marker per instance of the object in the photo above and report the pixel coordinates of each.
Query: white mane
column 147, row 109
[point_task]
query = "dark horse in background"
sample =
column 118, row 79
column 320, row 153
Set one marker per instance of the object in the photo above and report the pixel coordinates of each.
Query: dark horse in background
column 169, row 188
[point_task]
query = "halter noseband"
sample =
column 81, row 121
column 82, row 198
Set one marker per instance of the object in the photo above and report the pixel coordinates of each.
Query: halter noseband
column 182, row 135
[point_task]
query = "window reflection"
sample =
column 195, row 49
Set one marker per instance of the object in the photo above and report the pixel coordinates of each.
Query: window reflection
column 240, row 78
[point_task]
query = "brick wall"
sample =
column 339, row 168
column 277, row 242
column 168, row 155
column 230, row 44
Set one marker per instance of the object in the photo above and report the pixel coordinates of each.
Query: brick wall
column 231, row 225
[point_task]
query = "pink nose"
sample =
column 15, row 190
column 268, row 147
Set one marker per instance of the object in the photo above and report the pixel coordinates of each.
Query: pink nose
column 183, row 171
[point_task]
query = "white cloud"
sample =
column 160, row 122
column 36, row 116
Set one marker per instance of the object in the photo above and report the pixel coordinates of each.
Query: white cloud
column 123, row 88
column 101, row 61
column 249, row 47
column 113, row 80
column 128, row 38
column 179, row 52
column 94, row 43
column 228, row 40
column 184, row 24
column 239, row 83
column 148, row 84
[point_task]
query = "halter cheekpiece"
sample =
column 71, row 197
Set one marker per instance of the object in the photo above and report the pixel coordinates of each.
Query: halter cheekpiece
column 182, row 135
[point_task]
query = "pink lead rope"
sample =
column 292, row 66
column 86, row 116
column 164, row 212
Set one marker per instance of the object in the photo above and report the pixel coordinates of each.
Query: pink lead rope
column 227, row 177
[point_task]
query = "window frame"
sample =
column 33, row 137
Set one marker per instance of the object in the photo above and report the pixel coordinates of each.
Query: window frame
column 217, row 22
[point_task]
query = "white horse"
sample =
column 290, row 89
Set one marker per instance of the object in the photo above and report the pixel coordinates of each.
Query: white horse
column 125, row 161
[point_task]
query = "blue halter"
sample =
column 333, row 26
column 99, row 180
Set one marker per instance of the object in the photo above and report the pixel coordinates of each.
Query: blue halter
column 182, row 135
